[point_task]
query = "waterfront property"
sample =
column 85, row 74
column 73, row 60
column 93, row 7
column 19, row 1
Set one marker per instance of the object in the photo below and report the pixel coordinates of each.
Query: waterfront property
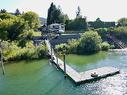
column 83, row 76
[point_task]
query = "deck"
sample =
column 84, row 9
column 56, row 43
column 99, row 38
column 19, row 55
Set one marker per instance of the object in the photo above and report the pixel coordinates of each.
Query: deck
column 82, row 76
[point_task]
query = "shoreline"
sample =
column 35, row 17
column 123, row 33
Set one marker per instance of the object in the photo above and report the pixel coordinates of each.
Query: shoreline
column 118, row 50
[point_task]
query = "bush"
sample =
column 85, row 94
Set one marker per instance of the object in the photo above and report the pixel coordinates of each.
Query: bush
column 102, row 32
column 89, row 43
column 73, row 45
column 62, row 48
column 12, row 52
column 120, row 33
column 105, row 46
column 112, row 46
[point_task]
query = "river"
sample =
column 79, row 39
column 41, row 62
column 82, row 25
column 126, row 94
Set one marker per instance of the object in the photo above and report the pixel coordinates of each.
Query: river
column 41, row 78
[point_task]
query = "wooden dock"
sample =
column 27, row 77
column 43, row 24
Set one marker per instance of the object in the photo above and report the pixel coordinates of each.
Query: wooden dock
column 82, row 76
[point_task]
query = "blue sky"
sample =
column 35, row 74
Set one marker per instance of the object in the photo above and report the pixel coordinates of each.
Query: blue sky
column 105, row 9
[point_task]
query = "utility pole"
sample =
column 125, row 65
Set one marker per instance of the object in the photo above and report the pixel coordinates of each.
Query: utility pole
column 1, row 53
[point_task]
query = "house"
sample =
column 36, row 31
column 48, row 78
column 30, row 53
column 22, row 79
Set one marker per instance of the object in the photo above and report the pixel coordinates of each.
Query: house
column 57, row 28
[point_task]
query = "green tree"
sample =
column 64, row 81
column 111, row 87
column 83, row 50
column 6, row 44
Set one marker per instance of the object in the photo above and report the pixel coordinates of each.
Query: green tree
column 55, row 15
column 78, row 12
column 105, row 46
column 17, row 12
column 90, row 42
column 77, row 24
column 3, row 11
column 6, row 16
column 122, row 22
column 62, row 48
column 100, row 24
column 66, row 18
column 32, row 18
column 50, row 12
column 12, row 28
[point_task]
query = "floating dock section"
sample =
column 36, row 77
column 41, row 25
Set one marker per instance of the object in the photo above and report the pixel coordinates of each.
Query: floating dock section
column 81, row 77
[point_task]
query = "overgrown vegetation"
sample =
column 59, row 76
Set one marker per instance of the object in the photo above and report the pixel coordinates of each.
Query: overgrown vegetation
column 90, row 42
column 119, row 33
column 13, row 52
column 16, row 32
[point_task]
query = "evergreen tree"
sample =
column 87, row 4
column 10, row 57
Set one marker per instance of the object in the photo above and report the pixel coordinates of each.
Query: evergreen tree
column 78, row 12
column 54, row 15
column 17, row 12
column 50, row 12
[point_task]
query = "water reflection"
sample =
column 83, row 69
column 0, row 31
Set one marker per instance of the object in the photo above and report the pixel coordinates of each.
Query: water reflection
column 114, row 85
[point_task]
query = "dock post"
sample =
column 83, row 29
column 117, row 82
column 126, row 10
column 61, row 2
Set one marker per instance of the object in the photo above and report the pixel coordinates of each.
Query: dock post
column 64, row 66
column 51, row 53
column 1, row 53
column 57, row 59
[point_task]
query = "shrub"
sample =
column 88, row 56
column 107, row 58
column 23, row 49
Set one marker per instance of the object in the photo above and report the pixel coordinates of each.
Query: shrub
column 89, row 43
column 12, row 52
column 105, row 46
column 62, row 48
column 112, row 46
column 73, row 45
column 120, row 32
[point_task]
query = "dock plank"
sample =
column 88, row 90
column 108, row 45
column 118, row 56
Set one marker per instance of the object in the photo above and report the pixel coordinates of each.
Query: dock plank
column 101, row 72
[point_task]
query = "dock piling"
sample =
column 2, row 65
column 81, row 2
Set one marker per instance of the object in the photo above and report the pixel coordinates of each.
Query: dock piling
column 64, row 65
column 1, row 58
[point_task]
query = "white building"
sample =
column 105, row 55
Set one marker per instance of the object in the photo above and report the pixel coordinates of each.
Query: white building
column 55, row 27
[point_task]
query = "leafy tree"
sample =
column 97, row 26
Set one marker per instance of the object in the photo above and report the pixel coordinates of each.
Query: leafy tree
column 103, row 32
column 4, row 27
column 62, row 48
column 77, row 24
column 3, row 11
column 6, row 16
column 120, row 33
column 32, row 19
column 18, row 27
column 122, row 22
column 90, row 42
column 12, row 28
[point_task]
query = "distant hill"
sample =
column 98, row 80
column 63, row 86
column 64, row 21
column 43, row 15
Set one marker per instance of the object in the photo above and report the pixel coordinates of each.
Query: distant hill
column 43, row 20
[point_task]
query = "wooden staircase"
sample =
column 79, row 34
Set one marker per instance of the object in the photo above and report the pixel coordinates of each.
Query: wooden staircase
column 117, row 42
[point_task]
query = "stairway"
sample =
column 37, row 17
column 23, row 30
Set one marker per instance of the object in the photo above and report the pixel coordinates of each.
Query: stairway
column 117, row 42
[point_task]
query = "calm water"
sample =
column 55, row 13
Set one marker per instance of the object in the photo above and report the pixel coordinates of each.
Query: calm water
column 42, row 78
